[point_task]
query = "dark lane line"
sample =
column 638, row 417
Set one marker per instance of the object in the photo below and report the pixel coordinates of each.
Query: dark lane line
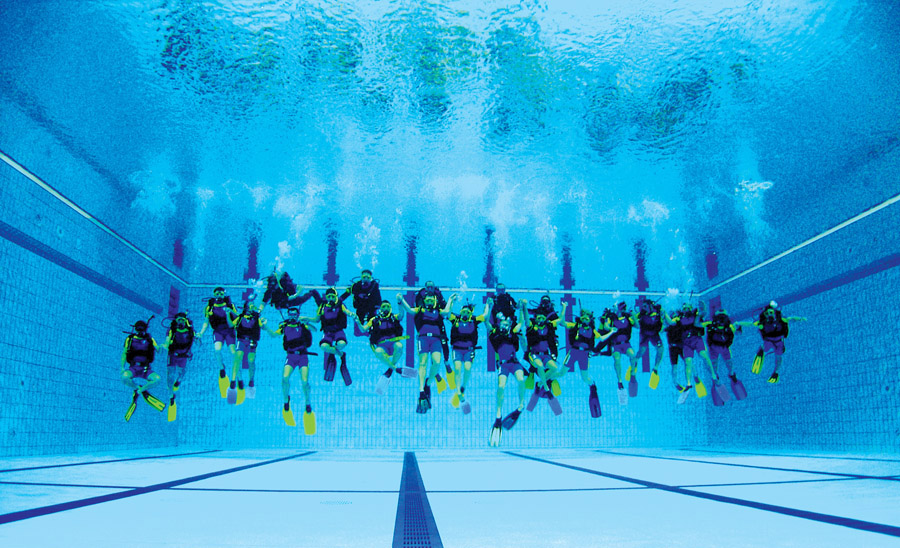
column 861, row 525
column 107, row 461
column 818, row 473
column 790, row 456
column 414, row 525
column 71, row 505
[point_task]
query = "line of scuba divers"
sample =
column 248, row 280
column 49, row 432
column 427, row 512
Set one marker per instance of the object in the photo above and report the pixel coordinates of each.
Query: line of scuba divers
column 511, row 326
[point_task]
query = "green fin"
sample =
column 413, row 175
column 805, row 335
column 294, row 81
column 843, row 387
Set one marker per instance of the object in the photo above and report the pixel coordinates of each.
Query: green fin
column 223, row 384
column 288, row 417
column 173, row 411
column 700, row 388
column 130, row 411
column 454, row 401
column 309, row 423
column 654, row 380
column 441, row 384
column 773, row 379
column 555, row 388
column 154, row 402
column 529, row 381
column 241, row 394
column 628, row 374
column 451, row 378
column 758, row 362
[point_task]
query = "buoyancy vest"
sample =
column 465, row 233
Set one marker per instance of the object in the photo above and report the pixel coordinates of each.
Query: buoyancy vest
column 248, row 328
column 217, row 313
column 719, row 332
column 181, row 340
column 545, row 334
column 464, row 333
column 384, row 328
column 505, row 343
column 332, row 317
column 774, row 329
column 140, row 348
column 650, row 323
column 296, row 337
column 581, row 336
column 428, row 321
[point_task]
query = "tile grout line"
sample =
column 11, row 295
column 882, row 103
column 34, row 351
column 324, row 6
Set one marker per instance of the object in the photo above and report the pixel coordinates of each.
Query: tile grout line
column 107, row 461
column 414, row 526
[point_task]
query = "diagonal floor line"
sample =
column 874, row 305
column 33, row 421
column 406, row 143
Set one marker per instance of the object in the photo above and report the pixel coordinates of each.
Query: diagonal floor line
column 861, row 525
column 108, row 461
column 49, row 484
column 789, row 456
column 818, row 473
column 71, row 505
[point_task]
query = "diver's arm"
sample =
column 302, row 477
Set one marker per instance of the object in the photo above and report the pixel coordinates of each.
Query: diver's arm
column 449, row 305
column 405, row 305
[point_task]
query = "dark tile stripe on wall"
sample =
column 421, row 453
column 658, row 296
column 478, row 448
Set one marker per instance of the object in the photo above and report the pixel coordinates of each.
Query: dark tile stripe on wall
column 27, row 242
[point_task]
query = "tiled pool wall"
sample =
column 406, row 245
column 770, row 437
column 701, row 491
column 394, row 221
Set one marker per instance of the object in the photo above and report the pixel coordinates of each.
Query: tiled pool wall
column 839, row 387
column 69, row 290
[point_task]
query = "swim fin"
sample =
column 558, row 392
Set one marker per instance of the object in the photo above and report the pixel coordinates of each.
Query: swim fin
column 330, row 366
column 758, row 362
column 700, row 387
column 422, row 406
column 131, row 407
column 716, row 397
column 454, row 401
column 232, row 393
column 251, row 390
column 384, row 382
column 451, row 377
column 241, row 393
column 685, row 392
column 441, row 383
column 154, row 402
column 555, row 388
column 529, row 380
column 632, row 387
column 173, row 410
column 309, row 421
column 773, row 379
column 288, row 415
column 345, row 373
column 628, row 374
column 466, row 407
column 738, row 388
column 223, row 383
column 623, row 395
column 594, row 402
column 532, row 403
column 654, row 379
column 428, row 395
column 408, row 372
column 723, row 392
column 176, row 386
column 496, row 434
column 557, row 408
column 510, row 420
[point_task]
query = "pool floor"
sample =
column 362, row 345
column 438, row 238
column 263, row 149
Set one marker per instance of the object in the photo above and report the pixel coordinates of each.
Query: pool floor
column 578, row 498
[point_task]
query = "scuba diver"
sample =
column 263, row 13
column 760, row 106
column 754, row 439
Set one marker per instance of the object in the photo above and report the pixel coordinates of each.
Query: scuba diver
column 503, row 304
column 431, row 289
column 719, row 337
column 429, row 321
column 464, row 340
column 279, row 291
column 581, row 340
column 621, row 321
column 138, row 353
column 690, row 320
column 385, row 337
column 179, row 340
column 296, row 340
column 541, row 351
column 545, row 307
column 773, row 328
column 650, row 323
column 248, row 326
column 333, row 317
column 366, row 296
column 219, row 315
column 505, row 338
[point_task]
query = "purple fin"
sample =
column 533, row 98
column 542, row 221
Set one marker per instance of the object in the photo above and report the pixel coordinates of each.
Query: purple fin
column 532, row 403
column 723, row 392
column 716, row 397
column 739, row 391
column 466, row 407
column 330, row 366
column 632, row 386
column 408, row 372
column 594, row 404
column 557, row 408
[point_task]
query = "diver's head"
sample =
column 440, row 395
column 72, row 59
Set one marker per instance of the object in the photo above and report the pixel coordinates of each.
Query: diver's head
column 430, row 301
column 293, row 312
column 769, row 313
column 504, row 322
column 545, row 301
column 140, row 327
column 219, row 294
column 501, row 289
column 721, row 313
column 466, row 312
column 331, row 295
column 365, row 276
column 622, row 307
column 646, row 305
column 429, row 286
column 249, row 307
column 540, row 319
column 586, row 316
column 385, row 308
column 180, row 320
